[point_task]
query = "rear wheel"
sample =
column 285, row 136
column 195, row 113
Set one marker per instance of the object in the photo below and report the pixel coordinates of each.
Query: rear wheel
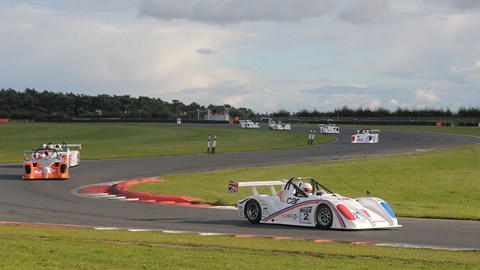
column 324, row 217
column 253, row 211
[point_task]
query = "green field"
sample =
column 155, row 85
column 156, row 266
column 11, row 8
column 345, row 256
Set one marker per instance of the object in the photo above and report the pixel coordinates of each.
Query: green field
column 437, row 184
column 59, row 248
column 106, row 141
column 440, row 183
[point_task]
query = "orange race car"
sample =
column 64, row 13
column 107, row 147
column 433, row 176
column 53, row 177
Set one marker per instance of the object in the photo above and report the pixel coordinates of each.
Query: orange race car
column 45, row 163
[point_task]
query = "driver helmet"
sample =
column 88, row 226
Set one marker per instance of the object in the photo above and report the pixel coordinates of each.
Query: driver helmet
column 307, row 188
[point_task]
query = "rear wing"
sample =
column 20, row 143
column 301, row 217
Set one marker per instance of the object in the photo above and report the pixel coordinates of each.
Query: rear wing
column 60, row 145
column 35, row 153
column 233, row 186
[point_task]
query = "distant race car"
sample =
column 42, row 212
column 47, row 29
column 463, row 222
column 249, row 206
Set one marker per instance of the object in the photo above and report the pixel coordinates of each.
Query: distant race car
column 278, row 125
column 366, row 136
column 73, row 156
column 302, row 201
column 45, row 163
column 248, row 124
column 329, row 129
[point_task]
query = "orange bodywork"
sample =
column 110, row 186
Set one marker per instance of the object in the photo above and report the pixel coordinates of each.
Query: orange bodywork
column 45, row 169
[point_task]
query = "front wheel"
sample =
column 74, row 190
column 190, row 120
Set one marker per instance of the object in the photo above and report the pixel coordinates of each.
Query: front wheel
column 253, row 211
column 324, row 217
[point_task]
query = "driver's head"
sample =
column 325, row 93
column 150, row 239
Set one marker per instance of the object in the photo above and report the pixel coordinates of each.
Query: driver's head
column 307, row 188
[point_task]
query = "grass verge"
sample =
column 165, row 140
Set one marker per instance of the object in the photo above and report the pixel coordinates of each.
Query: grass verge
column 108, row 140
column 46, row 248
column 437, row 184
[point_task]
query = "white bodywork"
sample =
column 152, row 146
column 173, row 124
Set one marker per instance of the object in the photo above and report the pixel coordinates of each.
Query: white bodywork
column 329, row 129
column 366, row 136
column 289, row 207
column 73, row 156
column 278, row 125
column 248, row 124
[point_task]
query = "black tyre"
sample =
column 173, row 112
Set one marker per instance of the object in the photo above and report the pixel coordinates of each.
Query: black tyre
column 28, row 169
column 324, row 217
column 253, row 211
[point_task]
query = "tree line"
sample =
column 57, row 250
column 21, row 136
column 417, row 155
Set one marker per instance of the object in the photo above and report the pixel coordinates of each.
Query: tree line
column 46, row 105
column 399, row 112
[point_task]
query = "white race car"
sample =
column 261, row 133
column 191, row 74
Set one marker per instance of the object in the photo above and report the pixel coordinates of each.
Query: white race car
column 366, row 136
column 329, row 129
column 278, row 125
column 73, row 156
column 248, row 124
column 302, row 201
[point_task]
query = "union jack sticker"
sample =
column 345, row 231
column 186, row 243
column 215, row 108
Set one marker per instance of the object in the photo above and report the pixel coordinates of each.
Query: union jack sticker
column 232, row 186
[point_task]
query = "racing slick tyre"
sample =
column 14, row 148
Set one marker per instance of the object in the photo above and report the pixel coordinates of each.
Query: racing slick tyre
column 253, row 211
column 324, row 217
column 63, row 168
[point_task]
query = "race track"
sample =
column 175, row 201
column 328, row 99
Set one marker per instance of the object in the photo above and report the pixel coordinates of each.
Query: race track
column 56, row 202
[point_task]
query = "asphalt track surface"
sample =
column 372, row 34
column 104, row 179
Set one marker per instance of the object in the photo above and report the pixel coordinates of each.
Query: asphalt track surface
column 55, row 202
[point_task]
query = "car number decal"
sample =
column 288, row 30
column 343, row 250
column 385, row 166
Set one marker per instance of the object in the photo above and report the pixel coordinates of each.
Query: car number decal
column 305, row 214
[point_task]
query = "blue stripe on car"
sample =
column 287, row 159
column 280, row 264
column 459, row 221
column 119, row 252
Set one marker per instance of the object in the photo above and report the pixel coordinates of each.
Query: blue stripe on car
column 388, row 209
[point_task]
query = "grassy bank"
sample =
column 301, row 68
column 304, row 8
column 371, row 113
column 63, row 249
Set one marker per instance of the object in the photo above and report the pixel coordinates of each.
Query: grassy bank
column 438, row 184
column 46, row 248
column 105, row 141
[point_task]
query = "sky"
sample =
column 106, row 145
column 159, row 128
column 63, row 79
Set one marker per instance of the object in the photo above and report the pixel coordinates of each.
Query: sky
column 265, row 55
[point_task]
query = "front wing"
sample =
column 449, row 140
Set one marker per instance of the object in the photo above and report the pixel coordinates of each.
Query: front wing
column 374, row 214
column 42, row 170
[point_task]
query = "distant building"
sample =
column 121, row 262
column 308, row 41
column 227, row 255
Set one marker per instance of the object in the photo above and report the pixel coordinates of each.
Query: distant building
column 219, row 113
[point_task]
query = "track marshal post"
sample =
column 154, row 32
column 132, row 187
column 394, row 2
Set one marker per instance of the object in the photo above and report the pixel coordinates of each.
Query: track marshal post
column 208, row 145
column 214, row 144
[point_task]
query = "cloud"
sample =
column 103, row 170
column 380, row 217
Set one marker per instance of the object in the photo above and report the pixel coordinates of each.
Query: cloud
column 393, row 102
column 335, row 89
column 120, row 54
column 235, row 11
column 330, row 97
column 375, row 103
column 265, row 54
column 454, row 4
column 428, row 96
column 471, row 71
column 205, row 51
column 365, row 11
